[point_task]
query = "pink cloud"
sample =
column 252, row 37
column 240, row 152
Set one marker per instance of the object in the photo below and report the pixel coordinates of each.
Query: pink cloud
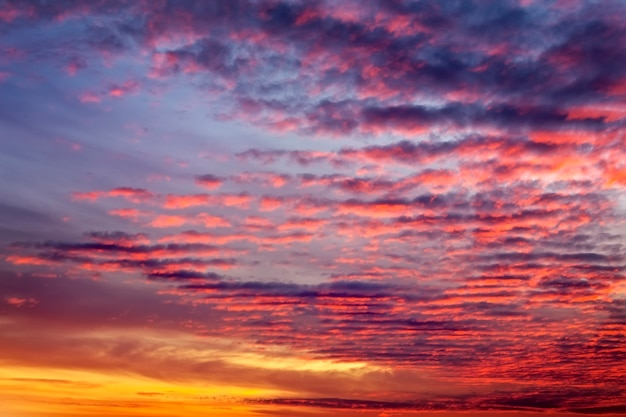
column 22, row 302
column 90, row 97
column 127, row 87
column 129, row 213
column 164, row 221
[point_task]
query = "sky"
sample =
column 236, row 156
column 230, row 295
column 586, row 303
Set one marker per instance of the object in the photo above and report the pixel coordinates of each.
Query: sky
column 362, row 208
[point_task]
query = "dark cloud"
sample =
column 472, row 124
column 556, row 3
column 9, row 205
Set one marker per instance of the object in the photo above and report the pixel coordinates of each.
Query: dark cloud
column 464, row 115
column 183, row 276
column 209, row 180
column 338, row 403
column 611, row 409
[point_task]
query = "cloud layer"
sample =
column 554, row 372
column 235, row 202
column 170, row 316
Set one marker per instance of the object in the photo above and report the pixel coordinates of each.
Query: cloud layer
column 362, row 201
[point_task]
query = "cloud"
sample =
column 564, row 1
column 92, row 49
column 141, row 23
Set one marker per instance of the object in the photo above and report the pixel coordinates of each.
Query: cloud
column 119, row 90
column 168, row 221
column 209, row 181
column 128, row 193
column 412, row 186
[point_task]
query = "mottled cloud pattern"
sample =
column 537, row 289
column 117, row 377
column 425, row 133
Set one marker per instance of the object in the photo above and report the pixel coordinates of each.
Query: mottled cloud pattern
column 385, row 208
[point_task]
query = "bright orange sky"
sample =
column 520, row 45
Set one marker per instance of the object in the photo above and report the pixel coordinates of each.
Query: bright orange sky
column 312, row 208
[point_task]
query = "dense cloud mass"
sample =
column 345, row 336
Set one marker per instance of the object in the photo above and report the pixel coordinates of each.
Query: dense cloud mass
column 381, row 207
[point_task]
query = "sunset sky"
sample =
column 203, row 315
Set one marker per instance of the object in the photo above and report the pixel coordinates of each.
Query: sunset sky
column 361, row 208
